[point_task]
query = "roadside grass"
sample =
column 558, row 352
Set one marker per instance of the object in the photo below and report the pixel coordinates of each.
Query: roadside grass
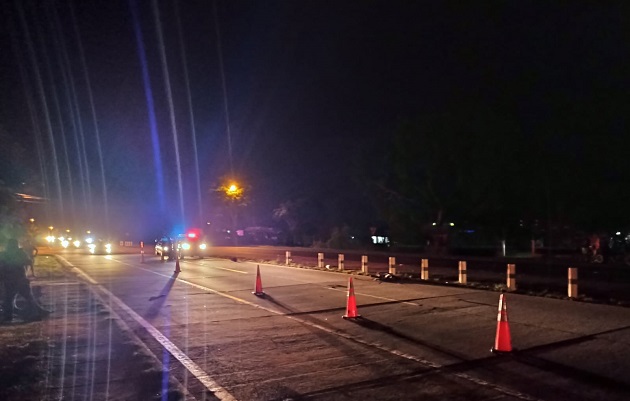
column 21, row 353
column 47, row 267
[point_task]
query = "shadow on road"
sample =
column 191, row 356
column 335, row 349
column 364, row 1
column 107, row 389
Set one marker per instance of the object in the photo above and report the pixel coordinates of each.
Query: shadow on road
column 372, row 325
column 157, row 306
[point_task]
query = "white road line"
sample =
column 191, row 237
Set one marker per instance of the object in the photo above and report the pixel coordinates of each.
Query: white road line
column 222, row 268
column 374, row 296
column 192, row 367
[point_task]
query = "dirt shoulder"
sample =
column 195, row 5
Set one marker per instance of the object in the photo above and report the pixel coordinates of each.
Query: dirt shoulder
column 81, row 351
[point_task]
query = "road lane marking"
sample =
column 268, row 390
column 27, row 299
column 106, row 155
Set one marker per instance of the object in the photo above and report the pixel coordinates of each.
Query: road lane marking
column 374, row 296
column 220, row 392
column 222, row 268
column 433, row 365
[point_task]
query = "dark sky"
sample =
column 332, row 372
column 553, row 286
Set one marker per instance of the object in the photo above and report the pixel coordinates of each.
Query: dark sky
column 307, row 83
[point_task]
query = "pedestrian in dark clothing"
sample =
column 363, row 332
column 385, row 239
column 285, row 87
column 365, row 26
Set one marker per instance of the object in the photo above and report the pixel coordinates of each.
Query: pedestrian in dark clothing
column 31, row 251
column 13, row 277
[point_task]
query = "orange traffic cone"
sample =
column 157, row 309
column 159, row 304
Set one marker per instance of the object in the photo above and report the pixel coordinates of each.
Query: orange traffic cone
column 351, row 307
column 258, row 291
column 503, row 340
column 177, row 269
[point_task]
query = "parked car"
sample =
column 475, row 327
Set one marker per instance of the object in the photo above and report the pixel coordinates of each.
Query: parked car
column 192, row 244
column 166, row 247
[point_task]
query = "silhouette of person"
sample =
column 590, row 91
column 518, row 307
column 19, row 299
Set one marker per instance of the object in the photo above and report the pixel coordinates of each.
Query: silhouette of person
column 13, row 276
column 31, row 251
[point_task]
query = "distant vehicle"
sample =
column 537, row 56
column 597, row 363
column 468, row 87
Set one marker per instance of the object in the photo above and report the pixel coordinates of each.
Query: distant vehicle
column 165, row 247
column 100, row 247
column 192, row 244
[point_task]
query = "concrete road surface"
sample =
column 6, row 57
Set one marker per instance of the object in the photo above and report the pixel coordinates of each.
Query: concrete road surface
column 413, row 341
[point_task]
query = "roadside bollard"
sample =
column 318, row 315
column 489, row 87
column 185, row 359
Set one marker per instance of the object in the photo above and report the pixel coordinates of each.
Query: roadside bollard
column 533, row 247
column 424, row 269
column 341, row 261
column 573, row 282
column 511, row 277
column 392, row 265
column 320, row 260
column 364, row 264
column 287, row 258
column 462, row 272
column 141, row 251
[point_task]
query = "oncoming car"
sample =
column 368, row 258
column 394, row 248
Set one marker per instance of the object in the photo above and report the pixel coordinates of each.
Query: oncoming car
column 191, row 244
column 100, row 247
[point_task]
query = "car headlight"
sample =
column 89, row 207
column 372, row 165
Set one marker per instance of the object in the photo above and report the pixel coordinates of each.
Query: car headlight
column 203, row 246
column 65, row 243
column 186, row 246
column 108, row 248
column 92, row 248
column 77, row 243
column 165, row 249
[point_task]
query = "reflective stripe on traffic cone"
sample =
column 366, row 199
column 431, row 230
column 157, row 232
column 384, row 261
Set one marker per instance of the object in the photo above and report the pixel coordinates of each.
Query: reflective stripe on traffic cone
column 351, row 307
column 258, row 290
column 503, row 340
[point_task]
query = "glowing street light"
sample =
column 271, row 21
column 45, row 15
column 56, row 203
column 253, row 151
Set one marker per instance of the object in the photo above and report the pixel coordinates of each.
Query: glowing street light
column 234, row 196
column 233, row 191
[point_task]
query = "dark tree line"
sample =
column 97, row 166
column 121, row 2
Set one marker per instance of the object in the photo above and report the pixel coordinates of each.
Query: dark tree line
column 481, row 169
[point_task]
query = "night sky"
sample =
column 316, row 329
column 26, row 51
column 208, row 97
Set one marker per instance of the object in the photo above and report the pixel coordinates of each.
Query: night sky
column 309, row 84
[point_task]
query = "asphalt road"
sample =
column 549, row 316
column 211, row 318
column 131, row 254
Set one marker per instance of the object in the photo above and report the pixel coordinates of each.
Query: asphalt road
column 414, row 341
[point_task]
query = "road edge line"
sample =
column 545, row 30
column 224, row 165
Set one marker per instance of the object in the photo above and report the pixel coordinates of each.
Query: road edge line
column 211, row 385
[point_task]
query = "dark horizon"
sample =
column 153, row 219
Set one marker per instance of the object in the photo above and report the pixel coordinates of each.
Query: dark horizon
column 318, row 95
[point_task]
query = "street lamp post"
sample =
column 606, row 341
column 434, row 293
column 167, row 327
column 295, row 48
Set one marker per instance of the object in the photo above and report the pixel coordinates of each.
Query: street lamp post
column 234, row 195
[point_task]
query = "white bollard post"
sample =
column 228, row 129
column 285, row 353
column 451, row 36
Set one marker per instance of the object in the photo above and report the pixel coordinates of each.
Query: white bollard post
column 511, row 277
column 287, row 258
column 462, row 272
column 340, row 262
column 392, row 265
column 503, row 247
column 573, row 282
column 533, row 247
column 320, row 260
column 364, row 264
column 424, row 269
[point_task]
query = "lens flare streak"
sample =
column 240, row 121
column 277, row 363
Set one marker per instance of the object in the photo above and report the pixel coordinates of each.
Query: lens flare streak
column 148, row 93
column 171, row 106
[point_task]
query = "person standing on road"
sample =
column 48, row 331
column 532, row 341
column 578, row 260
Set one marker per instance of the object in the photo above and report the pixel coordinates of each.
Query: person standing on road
column 31, row 251
column 12, row 274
